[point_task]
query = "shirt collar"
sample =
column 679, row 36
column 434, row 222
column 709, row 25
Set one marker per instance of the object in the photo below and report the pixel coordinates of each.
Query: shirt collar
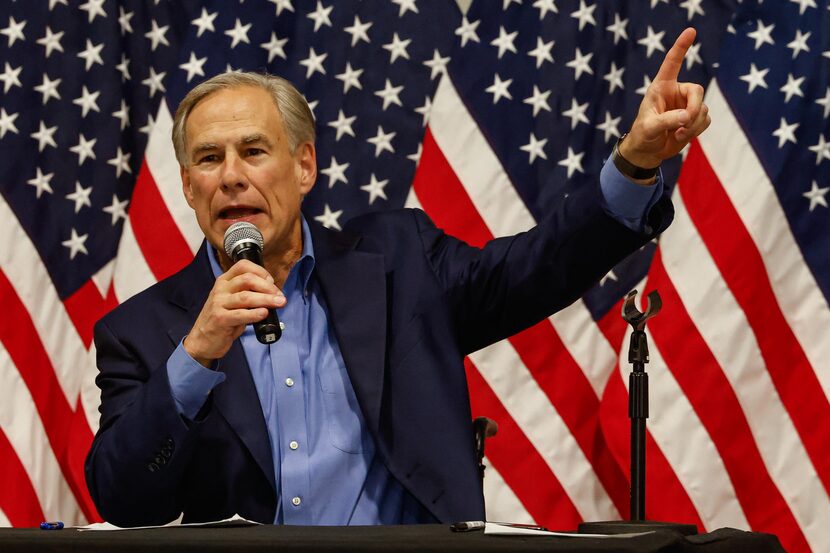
column 305, row 265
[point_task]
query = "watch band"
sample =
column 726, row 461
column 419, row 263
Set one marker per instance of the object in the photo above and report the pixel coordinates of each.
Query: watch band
column 629, row 169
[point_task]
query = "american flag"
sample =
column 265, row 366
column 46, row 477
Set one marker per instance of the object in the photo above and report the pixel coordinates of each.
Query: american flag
column 521, row 100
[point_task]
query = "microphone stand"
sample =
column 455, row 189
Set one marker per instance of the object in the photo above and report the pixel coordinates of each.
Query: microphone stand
column 638, row 413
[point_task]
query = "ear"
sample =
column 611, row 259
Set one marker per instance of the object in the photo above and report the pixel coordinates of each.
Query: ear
column 306, row 157
column 186, row 188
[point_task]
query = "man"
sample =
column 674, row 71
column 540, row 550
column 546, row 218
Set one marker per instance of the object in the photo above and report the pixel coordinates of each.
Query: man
column 360, row 413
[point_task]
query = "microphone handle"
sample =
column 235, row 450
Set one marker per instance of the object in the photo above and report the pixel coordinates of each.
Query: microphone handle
column 268, row 329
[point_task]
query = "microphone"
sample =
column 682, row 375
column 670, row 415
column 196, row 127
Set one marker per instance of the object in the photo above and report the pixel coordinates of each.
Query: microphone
column 244, row 241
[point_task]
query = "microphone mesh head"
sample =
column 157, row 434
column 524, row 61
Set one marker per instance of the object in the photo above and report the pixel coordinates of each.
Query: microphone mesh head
column 240, row 233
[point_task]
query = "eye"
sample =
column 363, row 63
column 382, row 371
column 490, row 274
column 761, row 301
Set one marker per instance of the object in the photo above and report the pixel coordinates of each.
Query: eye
column 254, row 151
column 207, row 158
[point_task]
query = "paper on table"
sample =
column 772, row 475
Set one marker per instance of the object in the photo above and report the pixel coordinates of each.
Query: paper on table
column 235, row 520
column 497, row 529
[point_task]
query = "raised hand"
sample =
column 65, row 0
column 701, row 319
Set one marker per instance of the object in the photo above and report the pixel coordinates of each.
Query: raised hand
column 671, row 114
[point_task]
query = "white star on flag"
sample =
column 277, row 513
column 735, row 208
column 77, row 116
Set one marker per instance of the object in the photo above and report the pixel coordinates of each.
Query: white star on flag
column 343, row 125
column 80, row 196
column 755, row 77
column 535, row 148
column 239, row 33
column 41, row 183
column 329, row 218
column 205, row 22
column 336, row 172
column 499, row 88
column 375, row 188
column 573, row 162
column 75, row 244
column 382, row 141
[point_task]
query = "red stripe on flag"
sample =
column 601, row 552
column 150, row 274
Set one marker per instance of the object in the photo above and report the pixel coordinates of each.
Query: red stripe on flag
column 564, row 383
column 702, row 380
column 444, row 198
column 518, row 462
column 86, row 306
column 18, row 500
column 666, row 498
column 741, row 265
column 613, row 327
column 165, row 249
column 79, row 444
column 19, row 335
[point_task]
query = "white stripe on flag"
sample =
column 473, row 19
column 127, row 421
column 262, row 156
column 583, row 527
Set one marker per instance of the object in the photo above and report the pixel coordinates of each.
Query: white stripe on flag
column 412, row 200
column 90, row 393
column 161, row 160
column 530, row 408
column 475, row 164
column 586, row 343
column 723, row 326
column 686, row 444
column 131, row 274
column 4, row 522
column 752, row 194
column 500, row 501
column 21, row 263
column 24, row 429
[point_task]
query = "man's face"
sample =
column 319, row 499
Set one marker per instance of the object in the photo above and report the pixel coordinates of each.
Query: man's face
column 240, row 168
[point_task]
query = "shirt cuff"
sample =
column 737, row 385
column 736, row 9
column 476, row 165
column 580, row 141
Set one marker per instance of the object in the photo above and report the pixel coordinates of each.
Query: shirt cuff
column 625, row 201
column 190, row 382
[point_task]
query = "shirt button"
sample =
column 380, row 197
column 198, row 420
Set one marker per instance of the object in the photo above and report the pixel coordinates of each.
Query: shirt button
column 296, row 501
column 289, row 382
column 293, row 445
column 282, row 325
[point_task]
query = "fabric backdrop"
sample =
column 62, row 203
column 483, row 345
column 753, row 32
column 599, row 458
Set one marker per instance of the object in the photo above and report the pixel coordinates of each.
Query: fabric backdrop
column 485, row 120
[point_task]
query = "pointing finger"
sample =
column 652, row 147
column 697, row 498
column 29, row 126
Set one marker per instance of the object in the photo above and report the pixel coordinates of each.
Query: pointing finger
column 673, row 61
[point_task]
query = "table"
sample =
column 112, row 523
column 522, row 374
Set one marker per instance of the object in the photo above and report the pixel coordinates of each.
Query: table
column 286, row 539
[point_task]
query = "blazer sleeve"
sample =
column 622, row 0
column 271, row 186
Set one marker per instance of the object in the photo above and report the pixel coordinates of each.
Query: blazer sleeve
column 137, row 459
column 514, row 282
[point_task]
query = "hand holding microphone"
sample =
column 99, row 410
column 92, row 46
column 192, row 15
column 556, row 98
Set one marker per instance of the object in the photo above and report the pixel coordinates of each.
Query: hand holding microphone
column 245, row 294
column 244, row 241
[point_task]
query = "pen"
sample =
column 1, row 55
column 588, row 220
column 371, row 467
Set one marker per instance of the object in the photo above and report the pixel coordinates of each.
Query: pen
column 57, row 525
column 471, row 525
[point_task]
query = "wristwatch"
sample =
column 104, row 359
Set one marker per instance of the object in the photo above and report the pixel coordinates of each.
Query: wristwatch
column 629, row 169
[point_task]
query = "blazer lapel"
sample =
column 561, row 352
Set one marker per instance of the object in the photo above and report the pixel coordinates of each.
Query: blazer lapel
column 354, row 286
column 236, row 398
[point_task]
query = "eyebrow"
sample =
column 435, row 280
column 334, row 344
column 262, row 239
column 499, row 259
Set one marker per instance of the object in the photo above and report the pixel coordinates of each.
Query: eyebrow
column 253, row 138
column 246, row 140
column 204, row 147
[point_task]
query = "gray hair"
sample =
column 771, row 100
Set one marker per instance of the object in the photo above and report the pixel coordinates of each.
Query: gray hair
column 291, row 105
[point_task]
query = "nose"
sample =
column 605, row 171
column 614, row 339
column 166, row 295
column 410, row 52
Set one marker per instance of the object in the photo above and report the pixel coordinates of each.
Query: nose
column 233, row 174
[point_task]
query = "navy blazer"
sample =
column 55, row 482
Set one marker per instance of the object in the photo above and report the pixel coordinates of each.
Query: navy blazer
column 407, row 302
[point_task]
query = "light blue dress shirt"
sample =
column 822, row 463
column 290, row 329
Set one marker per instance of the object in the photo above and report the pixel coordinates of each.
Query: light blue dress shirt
column 325, row 466
column 324, row 459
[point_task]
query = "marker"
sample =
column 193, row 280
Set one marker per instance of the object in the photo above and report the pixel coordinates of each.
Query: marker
column 57, row 525
column 467, row 526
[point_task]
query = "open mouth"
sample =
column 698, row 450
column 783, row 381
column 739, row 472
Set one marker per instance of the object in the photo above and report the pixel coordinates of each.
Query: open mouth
column 238, row 212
